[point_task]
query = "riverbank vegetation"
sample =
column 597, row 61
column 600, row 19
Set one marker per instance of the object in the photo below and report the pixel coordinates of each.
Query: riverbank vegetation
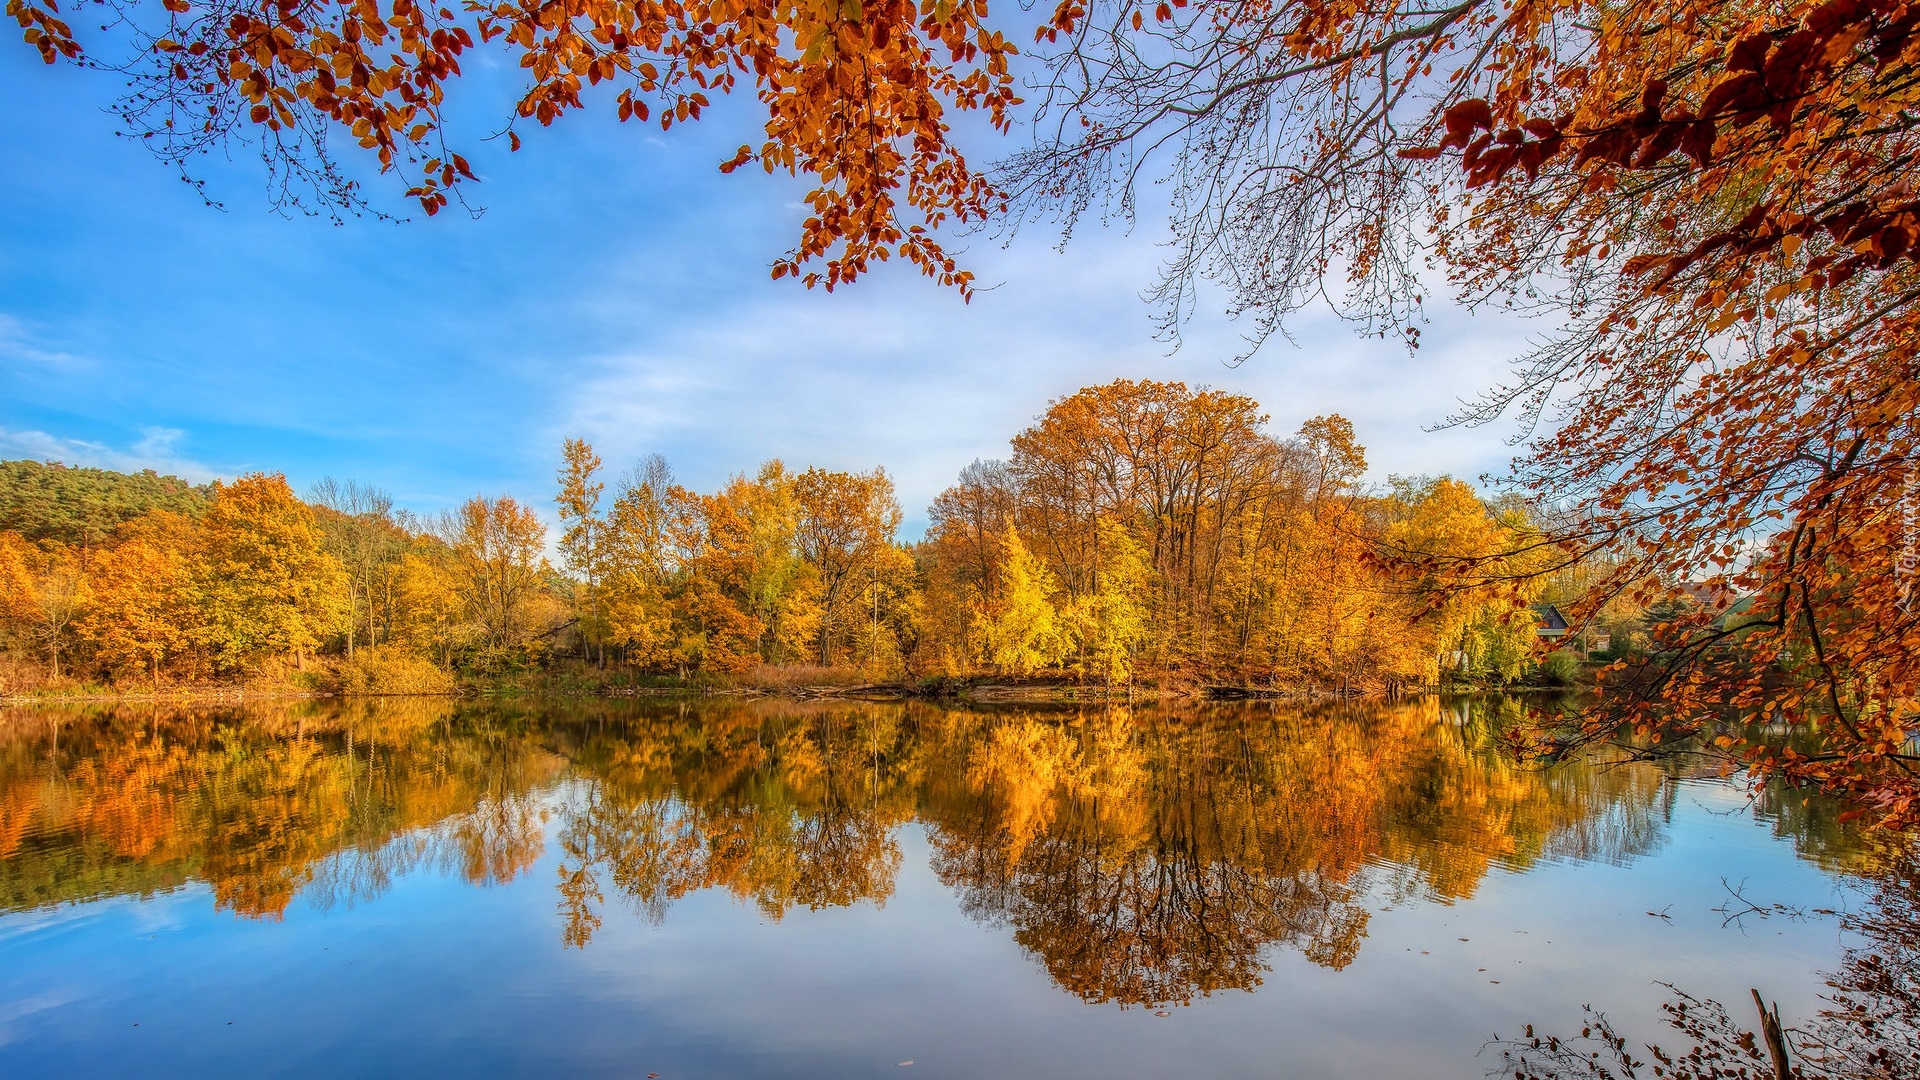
column 1139, row 532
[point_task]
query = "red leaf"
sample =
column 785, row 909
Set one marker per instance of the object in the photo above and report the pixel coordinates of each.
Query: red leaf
column 1698, row 141
column 1658, row 145
column 1789, row 72
column 1736, row 93
column 1468, row 115
column 1750, row 52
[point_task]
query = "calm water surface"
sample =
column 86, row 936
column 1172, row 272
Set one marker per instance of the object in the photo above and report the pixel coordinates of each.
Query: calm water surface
column 772, row 889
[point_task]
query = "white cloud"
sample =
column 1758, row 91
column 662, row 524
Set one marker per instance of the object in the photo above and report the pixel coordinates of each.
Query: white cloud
column 898, row 372
column 156, row 449
column 17, row 344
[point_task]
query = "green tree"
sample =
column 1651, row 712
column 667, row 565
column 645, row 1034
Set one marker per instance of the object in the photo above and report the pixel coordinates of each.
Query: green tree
column 81, row 507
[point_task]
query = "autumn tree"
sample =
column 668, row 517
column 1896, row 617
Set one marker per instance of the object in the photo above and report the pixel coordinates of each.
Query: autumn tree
column 146, row 605
column 20, row 605
column 498, row 563
column 844, row 521
column 1175, row 533
column 363, row 533
column 61, row 594
column 583, row 532
column 766, row 503
column 269, row 585
column 959, row 555
column 1174, row 465
column 714, row 597
column 639, row 563
column 429, row 614
column 1110, row 622
column 1441, row 525
column 1183, row 536
column 1020, row 628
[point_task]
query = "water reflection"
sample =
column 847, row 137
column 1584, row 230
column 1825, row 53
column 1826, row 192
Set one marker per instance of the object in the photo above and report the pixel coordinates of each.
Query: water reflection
column 261, row 805
column 1143, row 857
column 1149, row 861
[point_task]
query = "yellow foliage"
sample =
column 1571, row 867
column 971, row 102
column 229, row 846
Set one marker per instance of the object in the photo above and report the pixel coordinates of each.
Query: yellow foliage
column 269, row 586
column 1019, row 626
column 145, row 610
column 380, row 670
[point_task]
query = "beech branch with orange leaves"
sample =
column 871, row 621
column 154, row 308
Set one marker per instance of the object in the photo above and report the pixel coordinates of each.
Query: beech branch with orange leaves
column 856, row 95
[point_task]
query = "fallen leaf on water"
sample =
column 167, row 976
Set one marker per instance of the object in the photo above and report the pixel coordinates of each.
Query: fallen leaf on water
column 906, row 1063
column 1163, row 1012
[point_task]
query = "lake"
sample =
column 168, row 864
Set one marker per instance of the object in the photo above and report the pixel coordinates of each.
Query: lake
column 753, row 888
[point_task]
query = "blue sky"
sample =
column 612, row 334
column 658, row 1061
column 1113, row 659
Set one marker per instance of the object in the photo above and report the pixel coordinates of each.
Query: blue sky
column 616, row 288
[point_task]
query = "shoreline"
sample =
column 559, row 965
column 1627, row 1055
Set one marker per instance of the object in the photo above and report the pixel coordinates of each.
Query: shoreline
column 952, row 690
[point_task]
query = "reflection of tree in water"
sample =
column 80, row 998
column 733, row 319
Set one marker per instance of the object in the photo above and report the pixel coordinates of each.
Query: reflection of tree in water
column 1146, row 860
column 1123, row 859
column 488, row 845
column 1869, row 1028
column 1463, row 805
column 260, row 803
column 778, row 810
column 1143, row 857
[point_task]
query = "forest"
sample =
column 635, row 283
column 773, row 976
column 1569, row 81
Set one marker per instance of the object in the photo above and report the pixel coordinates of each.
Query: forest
column 1139, row 534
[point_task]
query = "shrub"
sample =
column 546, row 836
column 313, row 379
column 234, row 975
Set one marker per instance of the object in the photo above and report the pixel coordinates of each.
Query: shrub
column 1559, row 668
column 382, row 670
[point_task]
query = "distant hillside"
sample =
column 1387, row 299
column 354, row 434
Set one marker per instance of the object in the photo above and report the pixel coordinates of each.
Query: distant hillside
column 81, row 506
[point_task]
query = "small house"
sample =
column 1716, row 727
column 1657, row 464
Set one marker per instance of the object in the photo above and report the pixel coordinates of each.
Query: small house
column 1550, row 625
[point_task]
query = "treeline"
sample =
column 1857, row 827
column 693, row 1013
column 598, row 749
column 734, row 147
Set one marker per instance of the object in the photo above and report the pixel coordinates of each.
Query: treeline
column 1138, row 531
column 1143, row 526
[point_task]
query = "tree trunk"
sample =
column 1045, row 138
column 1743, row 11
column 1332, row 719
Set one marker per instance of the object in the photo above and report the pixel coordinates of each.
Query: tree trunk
column 1776, row 1039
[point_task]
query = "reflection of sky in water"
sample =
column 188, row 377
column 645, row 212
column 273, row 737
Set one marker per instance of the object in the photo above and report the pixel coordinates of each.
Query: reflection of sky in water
column 438, row 977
